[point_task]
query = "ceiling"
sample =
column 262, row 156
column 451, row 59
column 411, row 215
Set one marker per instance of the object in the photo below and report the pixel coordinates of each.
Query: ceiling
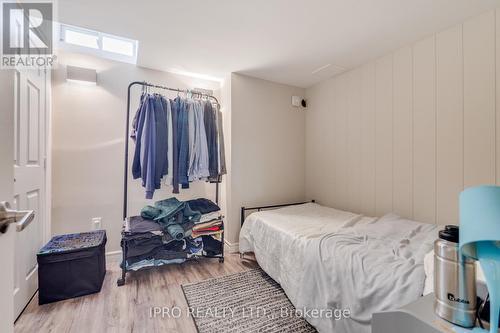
column 283, row 41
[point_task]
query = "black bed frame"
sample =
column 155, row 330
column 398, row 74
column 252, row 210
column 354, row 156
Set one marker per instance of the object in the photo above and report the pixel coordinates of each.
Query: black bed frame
column 259, row 208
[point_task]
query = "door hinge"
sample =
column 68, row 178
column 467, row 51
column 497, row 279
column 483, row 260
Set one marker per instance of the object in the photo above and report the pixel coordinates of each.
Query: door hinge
column 45, row 163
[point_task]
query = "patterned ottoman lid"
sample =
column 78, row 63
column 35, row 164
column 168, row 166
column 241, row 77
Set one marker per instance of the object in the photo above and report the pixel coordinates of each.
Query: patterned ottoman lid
column 73, row 242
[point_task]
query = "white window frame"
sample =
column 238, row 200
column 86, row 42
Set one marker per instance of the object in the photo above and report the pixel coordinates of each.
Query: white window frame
column 99, row 51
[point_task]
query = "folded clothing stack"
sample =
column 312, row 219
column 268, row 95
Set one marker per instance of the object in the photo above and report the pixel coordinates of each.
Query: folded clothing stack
column 161, row 254
column 211, row 246
column 208, row 209
column 207, row 228
column 172, row 214
column 209, row 217
column 203, row 245
column 210, row 222
column 172, row 231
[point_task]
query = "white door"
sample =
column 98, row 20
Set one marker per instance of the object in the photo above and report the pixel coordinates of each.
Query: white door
column 6, row 194
column 29, row 178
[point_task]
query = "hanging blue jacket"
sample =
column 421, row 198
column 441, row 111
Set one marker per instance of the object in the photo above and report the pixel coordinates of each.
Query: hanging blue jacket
column 175, row 106
column 148, row 149
column 136, row 135
column 211, row 132
column 161, row 140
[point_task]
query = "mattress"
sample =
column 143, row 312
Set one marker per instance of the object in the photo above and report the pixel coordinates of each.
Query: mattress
column 278, row 238
column 310, row 250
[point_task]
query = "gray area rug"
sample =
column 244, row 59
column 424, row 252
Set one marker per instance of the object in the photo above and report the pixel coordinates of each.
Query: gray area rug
column 249, row 301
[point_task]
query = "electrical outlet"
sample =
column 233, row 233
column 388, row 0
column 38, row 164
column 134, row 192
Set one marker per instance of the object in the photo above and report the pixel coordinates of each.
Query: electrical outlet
column 96, row 223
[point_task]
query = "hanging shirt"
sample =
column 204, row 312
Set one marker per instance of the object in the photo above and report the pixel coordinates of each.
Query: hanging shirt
column 170, row 155
column 191, row 132
column 198, row 167
column 161, row 140
column 148, row 148
column 175, row 106
column 183, row 143
column 135, row 121
column 220, row 142
column 139, row 123
column 211, row 131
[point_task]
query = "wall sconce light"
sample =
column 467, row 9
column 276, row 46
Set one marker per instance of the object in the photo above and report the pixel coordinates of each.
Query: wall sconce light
column 81, row 75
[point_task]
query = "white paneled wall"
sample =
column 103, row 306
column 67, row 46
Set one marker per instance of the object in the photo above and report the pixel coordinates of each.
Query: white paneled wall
column 424, row 130
column 479, row 100
column 383, row 135
column 403, row 132
column 449, row 123
column 367, row 196
column 407, row 132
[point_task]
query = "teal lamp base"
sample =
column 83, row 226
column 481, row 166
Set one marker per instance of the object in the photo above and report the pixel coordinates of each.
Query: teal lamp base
column 480, row 238
column 488, row 254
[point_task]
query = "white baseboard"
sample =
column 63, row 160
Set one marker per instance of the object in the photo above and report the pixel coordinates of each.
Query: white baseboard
column 114, row 253
column 232, row 247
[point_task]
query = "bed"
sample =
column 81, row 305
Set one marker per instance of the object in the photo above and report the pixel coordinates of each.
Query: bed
column 325, row 258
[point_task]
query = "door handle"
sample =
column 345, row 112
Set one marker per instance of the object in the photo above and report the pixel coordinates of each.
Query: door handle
column 22, row 218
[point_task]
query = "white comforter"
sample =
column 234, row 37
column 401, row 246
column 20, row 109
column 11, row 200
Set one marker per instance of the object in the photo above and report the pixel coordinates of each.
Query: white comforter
column 366, row 269
column 278, row 238
column 329, row 259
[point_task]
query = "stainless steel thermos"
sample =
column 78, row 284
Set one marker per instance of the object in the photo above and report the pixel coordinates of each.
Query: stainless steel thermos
column 454, row 280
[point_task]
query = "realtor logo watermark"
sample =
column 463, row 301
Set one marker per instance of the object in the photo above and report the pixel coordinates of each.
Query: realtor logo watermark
column 27, row 35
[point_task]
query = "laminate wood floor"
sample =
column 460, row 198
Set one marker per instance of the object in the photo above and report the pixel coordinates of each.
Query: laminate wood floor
column 128, row 308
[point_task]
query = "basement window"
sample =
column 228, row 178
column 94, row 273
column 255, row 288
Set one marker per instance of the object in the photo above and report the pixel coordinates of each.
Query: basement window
column 81, row 38
column 98, row 43
column 119, row 46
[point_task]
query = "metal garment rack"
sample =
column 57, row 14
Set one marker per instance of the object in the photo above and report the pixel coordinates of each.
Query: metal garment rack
column 125, row 177
column 144, row 84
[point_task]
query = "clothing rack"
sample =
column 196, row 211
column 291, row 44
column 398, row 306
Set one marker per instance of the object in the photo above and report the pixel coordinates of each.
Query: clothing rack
column 144, row 84
column 127, row 122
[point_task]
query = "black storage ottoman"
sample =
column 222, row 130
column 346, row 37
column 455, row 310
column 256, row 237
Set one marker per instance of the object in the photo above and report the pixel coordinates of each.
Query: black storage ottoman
column 71, row 265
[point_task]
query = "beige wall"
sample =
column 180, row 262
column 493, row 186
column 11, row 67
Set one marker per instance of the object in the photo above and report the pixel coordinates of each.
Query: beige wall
column 88, row 144
column 267, row 146
column 230, row 226
column 407, row 132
